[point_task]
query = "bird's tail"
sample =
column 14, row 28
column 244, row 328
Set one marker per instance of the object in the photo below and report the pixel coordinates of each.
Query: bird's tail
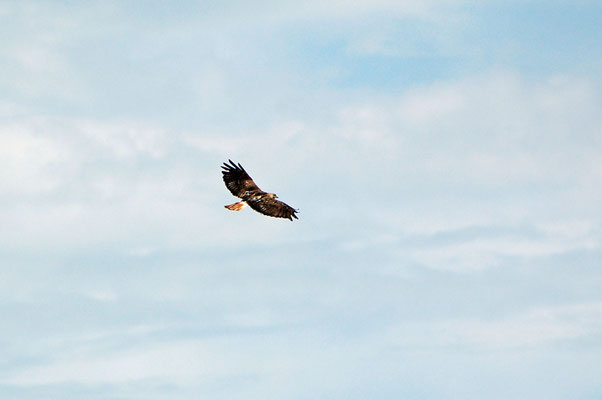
column 236, row 206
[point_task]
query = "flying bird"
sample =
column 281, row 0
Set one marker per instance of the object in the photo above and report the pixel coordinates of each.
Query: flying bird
column 240, row 184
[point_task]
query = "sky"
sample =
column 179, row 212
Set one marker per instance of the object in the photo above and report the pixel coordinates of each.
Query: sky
column 445, row 156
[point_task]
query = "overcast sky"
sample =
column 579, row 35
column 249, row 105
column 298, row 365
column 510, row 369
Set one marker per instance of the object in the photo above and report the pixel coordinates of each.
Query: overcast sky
column 445, row 155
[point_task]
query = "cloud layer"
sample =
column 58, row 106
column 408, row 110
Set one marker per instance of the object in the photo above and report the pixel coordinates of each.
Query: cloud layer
column 448, row 182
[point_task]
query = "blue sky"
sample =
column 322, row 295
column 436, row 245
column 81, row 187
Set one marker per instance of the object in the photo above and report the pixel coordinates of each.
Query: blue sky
column 446, row 157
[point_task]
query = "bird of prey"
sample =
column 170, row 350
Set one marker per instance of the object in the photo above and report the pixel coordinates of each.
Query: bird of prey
column 240, row 184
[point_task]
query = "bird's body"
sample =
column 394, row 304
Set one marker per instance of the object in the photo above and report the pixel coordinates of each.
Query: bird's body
column 240, row 184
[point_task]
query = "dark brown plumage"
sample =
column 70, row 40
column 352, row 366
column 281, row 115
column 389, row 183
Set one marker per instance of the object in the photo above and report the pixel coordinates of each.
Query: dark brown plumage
column 240, row 184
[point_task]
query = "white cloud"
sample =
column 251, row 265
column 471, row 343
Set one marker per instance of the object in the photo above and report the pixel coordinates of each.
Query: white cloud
column 187, row 362
column 281, row 356
column 437, row 158
column 127, row 139
column 480, row 254
column 101, row 295
column 27, row 160
column 497, row 137
column 285, row 11
column 540, row 326
column 180, row 361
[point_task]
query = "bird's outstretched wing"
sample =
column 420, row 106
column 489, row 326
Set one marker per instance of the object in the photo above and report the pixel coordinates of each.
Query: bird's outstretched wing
column 237, row 180
column 273, row 208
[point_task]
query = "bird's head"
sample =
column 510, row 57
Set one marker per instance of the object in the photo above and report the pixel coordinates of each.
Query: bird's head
column 273, row 195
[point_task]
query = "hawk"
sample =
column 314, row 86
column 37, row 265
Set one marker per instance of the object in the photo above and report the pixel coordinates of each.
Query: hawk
column 240, row 184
